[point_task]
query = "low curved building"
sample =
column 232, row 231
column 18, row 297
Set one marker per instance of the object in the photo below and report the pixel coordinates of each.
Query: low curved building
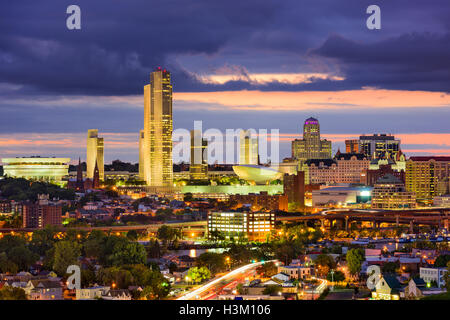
column 257, row 174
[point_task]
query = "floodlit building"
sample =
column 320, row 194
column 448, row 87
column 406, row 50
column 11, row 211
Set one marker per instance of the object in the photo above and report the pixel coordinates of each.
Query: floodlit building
column 95, row 154
column 198, row 169
column 390, row 193
column 261, row 201
column 141, row 154
column 433, row 274
column 248, row 152
column 379, row 146
column 427, row 176
column 344, row 168
column 37, row 168
column 340, row 196
column 157, row 155
column 255, row 226
column 311, row 147
column 352, row 146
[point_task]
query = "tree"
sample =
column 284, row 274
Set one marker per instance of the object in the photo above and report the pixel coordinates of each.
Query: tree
column 154, row 249
column 442, row 260
column 272, row 289
column 267, row 269
column 216, row 235
column 168, row 235
column 355, row 258
column 324, row 263
column 12, row 293
column 198, row 274
column 336, row 277
column 128, row 253
column 390, row 267
column 132, row 235
column 43, row 240
column 22, row 257
column 447, row 277
column 215, row 262
column 117, row 276
column 66, row 253
column 7, row 266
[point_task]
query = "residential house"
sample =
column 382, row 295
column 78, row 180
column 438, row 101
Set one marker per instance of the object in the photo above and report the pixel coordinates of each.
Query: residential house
column 387, row 288
column 44, row 289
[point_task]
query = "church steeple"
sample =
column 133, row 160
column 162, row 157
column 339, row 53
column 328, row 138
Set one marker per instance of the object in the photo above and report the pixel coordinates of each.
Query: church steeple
column 96, row 178
column 80, row 183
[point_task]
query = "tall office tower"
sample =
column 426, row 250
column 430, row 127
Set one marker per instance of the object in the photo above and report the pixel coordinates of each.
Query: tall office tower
column 198, row 169
column 158, row 170
column 311, row 147
column 352, row 146
column 141, row 154
column 248, row 143
column 94, row 155
column 379, row 146
column 426, row 175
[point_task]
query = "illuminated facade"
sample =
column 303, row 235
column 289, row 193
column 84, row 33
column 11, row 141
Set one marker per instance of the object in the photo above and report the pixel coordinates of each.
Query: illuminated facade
column 379, row 146
column 248, row 153
column 157, row 158
column 352, row 146
column 95, row 154
column 344, row 168
column 390, row 193
column 141, row 155
column 255, row 226
column 311, row 147
column 198, row 169
column 425, row 174
column 261, row 201
column 37, row 168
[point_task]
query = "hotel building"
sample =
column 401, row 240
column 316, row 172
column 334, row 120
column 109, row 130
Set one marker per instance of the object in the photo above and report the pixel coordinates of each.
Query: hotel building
column 37, row 168
column 255, row 226
column 311, row 147
column 157, row 154
column 427, row 176
column 344, row 168
column 390, row 193
column 94, row 154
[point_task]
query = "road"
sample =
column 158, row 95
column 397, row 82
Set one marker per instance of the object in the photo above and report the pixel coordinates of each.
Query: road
column 230, row 280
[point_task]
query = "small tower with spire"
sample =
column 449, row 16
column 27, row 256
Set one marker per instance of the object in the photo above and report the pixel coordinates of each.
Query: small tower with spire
column 80, row 183
column 96, row 178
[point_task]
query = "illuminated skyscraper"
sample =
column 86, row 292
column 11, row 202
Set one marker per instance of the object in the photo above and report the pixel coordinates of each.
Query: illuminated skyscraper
column 248, row 148
column 379, row 146
column 157, row 157
column 198, row 169
column 311, row 147
column 141, row 155
column 94, row 155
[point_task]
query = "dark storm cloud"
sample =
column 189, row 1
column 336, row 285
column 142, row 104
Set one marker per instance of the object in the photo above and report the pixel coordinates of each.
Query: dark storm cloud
column 410, row 61
column 122, row 41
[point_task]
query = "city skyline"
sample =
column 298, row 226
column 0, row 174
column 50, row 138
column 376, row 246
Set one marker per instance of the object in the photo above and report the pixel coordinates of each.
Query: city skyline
column 275, row 68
